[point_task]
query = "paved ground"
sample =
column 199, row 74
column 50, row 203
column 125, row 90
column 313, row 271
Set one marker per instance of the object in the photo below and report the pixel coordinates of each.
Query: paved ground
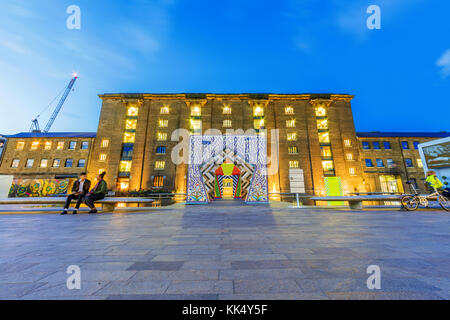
column 227, row 251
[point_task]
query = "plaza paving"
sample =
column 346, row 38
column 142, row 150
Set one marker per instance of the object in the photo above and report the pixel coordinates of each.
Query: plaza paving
column 227, row 251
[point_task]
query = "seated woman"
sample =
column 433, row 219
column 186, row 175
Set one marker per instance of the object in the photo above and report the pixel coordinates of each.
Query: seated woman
column 97, row 193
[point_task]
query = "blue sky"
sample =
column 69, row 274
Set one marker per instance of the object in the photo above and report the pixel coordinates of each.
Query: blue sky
column 400, row 74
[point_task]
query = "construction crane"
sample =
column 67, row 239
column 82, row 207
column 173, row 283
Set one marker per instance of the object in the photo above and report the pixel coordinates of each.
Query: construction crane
column 35, row 124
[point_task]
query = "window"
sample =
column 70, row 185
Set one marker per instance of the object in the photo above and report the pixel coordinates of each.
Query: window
column 196, row 125
column 44, row 163
column 258, row 111
column 322, row 124
column 386, row 145
column 321, row 112
column 105, row 143
column 293, row 164
column 158, row 181
column 196, row 111
column 15, row 163
column 369, row 163
column 290, row 123
column 416, row 144
column 419, row 163
column 127, row 152
column 351, row 171
column 349, row 156
column 81, row 163
column 60, row 145
column 289, row 110
column 226, row 109
column 132, row 111
column 100, row 171
column 365, row 145
column 56, row 163
column 102, row 157
column 123, row 184
column 69, row 163
column 380, row 163
column 325, row 151
column 20, row 145
column 409, row 163
column 292, row 136
column 405, row 145
column 347, row 143
column 125, row 166
column 163, row 123
column 30, row 163
column 160, row 165
column 258, row 124
column 84, row 145
column 161, row 136
column 48, row 145
column 164, row 109
column 328, row 166
column 376, row 145
column 130, row 124
column 160, row 150
column 324, row 137
column 390, row 163
column 292, row 150
column 129, row 137
column 34, row 145
column 72, row 145
column 226, row 123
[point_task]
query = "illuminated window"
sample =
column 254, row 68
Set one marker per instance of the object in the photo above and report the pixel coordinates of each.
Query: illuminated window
column 132, row 111
column 196, row 111
column 123, row 184
column 129, row 137
column 196, row 125
column 351, row 171
column 349, row 156
column 34, row 145
column 347, row 143
column 226, row 123
column 102, row 157
column 100, row 171
column 60, row 145
column 158, row 181
column 164, row 109
column 324, row 137
column 160, row 165
column 72, row 145
column 48, row 145
column 226, row 109
column 321, row 112
column 30, row 163
column 161, row 136
column 289, row 110
column 327, row 165
column 163, row 123
column 419, row 163
column 69, row 163
column 290, row 123
column 258, row 111
column 56, row 163
column 44, row 163
column 125, row 166
column 292, row 136
column 292, row 150
column 130, row 124
column 105, row 143
column 325, row 151
column 322, row 124
column 259, row 124
column 81, row 163
column 20, row 145
column 293, row 164
column 15, row 163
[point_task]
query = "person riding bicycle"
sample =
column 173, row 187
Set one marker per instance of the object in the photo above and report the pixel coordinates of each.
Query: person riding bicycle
column 433, row 182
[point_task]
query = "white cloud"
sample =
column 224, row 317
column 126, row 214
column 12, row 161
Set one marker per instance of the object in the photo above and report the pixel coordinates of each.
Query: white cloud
column 444, row 63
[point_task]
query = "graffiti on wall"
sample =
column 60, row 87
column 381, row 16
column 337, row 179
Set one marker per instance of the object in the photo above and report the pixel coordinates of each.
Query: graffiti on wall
column 40, row 187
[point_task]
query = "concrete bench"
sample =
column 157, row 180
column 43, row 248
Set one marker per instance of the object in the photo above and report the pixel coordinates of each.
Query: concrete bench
column 355, row 202
column 108, row 204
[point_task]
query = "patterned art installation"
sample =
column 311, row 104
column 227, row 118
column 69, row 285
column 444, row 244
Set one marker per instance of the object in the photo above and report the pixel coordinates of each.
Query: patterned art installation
column 207, row 153
column 40, row 187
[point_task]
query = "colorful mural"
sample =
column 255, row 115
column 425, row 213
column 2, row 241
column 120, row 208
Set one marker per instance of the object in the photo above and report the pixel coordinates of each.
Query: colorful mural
column 227, row 171
column 40, row 187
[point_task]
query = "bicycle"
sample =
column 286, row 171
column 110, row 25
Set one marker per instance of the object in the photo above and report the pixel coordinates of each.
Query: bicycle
column 412, row 201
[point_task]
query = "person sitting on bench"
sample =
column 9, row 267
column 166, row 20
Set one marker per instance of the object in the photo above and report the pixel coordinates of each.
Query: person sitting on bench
column 79, row 189
column 97, row 193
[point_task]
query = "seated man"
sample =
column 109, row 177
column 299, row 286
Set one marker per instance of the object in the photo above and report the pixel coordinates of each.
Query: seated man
column 79, row 189
column 97, row 193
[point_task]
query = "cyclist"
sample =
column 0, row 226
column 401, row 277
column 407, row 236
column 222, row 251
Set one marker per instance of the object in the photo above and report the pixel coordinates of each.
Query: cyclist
column 433, row 182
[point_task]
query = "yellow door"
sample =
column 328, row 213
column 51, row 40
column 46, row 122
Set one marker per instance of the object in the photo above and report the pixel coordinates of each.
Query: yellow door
column 227, row 188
